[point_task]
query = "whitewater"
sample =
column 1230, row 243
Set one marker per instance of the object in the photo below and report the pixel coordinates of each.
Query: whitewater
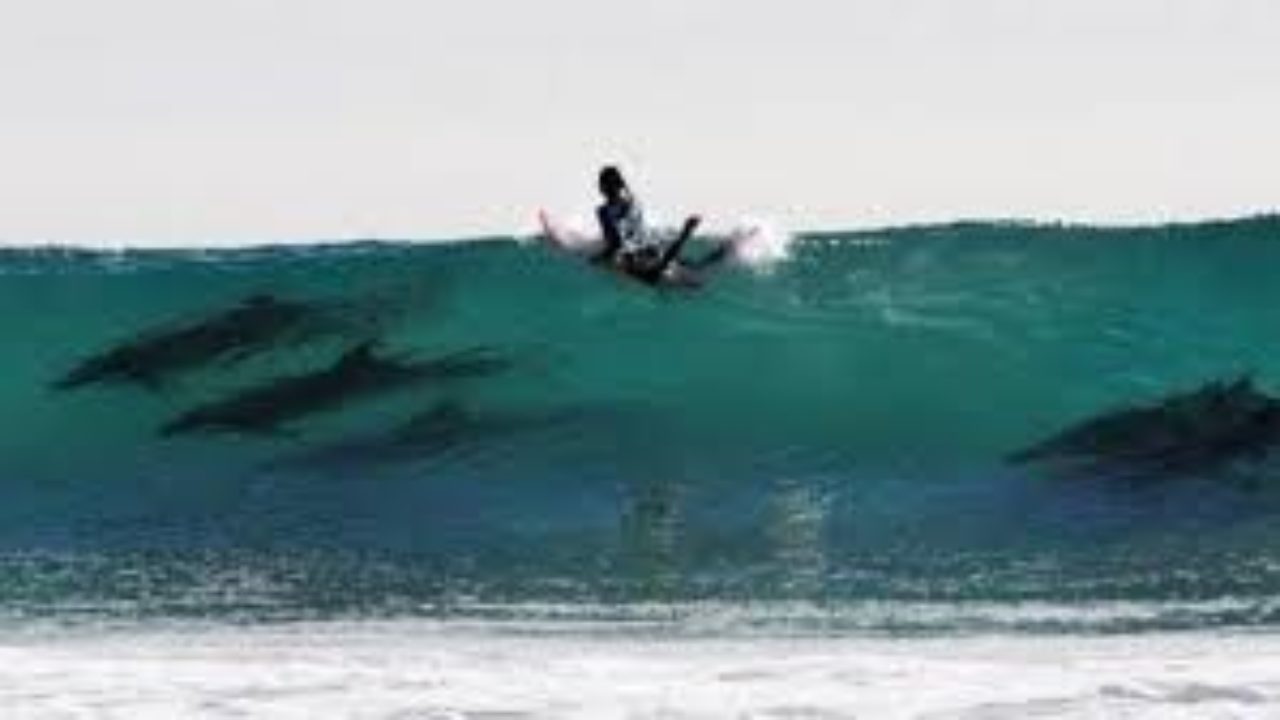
column 378, row 669
column 480, row 479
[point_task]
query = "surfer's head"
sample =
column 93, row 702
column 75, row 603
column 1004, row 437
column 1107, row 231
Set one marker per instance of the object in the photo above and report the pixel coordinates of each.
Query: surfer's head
column 611, row 183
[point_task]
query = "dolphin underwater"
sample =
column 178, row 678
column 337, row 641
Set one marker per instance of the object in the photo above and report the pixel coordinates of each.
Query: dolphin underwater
column 1198, row 431
column 441, row 429
column 360, row 372
column 258, row 323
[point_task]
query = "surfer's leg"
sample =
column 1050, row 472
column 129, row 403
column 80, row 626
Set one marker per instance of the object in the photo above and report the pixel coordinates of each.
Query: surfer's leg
column 672, row 251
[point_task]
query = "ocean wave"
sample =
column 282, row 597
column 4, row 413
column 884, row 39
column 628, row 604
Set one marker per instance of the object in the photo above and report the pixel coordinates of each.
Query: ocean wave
column 844, row 428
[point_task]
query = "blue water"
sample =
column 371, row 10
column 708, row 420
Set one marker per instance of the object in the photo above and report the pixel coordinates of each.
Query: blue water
column 830, row 431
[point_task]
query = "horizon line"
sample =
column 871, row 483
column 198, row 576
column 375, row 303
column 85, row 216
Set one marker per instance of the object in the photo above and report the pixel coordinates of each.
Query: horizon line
column 1029, row 222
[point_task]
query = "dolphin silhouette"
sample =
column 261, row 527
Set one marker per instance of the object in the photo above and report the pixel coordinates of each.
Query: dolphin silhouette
column 1197, row 431
column 358, row 373
column 435, row 431
column 256, row 324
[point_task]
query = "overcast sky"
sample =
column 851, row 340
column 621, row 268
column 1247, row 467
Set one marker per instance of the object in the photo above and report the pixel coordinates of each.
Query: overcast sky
column 172, row 121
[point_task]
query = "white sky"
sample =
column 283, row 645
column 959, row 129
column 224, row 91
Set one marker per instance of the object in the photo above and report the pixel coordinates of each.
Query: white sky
column 172, row 121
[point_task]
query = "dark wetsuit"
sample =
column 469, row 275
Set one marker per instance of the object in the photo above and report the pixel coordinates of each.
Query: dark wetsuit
column 629, row 243
column 625, row 234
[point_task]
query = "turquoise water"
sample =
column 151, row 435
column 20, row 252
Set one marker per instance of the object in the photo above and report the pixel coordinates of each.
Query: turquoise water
column 828, row 431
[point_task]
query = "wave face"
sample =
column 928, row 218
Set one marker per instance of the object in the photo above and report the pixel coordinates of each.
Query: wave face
column 526, row 433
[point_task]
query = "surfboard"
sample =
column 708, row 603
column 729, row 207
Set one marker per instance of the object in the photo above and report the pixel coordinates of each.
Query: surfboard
column 562, row 238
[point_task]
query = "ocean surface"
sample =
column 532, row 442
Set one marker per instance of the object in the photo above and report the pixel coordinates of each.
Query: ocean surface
column 244, row 480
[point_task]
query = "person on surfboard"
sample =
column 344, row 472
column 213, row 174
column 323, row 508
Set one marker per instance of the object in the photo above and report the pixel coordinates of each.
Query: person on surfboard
column 628, row 243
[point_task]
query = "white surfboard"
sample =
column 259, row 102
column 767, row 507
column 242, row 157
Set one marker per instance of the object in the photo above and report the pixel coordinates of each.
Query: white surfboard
column 560, row 237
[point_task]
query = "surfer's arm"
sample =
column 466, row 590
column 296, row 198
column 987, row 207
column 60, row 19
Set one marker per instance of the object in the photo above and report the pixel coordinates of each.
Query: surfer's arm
column 612, row 241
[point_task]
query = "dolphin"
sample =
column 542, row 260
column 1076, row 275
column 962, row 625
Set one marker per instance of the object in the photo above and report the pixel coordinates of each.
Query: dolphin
column 435, row 431
column 254, row 325
column 1196, row 431
column 360, row 372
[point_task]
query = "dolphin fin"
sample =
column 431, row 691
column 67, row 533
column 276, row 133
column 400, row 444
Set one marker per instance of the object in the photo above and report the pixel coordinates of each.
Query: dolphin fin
column 359, row 354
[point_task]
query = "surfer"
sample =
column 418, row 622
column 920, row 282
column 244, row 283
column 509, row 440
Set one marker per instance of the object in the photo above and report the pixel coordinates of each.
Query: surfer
column 627, row 242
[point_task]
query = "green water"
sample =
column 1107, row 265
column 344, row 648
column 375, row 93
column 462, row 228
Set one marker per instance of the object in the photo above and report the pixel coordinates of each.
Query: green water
column 831, row 428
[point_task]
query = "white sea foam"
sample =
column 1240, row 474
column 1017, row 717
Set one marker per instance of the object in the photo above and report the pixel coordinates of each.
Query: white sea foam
column 761, row 244
column 419, row 669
